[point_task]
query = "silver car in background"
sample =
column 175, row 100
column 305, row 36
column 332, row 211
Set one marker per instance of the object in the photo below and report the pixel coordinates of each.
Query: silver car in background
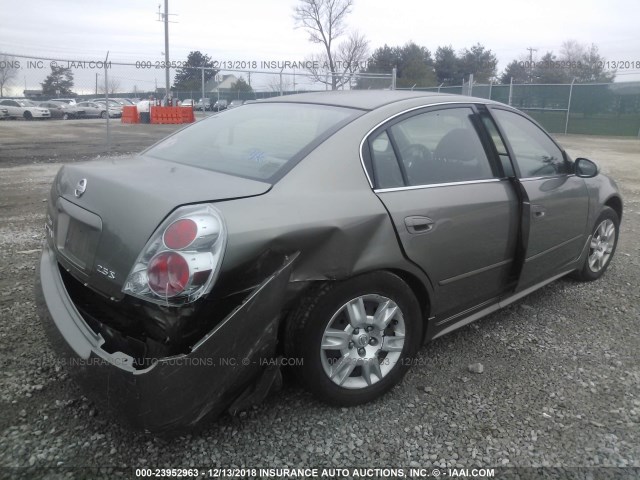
column 22, row 108
column 339, row 231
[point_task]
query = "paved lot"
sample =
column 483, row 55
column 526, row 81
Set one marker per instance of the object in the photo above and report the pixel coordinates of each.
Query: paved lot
column 561, row 385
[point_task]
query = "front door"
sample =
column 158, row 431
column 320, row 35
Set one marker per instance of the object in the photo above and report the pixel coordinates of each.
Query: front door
column 555, row 207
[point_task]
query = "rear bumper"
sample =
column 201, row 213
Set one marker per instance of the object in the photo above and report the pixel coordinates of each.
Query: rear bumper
column 173, row 392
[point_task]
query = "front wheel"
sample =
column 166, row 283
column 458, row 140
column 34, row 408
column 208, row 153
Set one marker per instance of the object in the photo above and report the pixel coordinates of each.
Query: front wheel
column 602, row 246
column 28, row 116
column 103, row 114
column 354, row 339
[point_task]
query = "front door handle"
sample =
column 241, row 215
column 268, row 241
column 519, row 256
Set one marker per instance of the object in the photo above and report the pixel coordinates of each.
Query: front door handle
column 417, row 224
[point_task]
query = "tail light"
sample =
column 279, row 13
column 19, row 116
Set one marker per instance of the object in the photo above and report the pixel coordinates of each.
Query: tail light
column 180, row 262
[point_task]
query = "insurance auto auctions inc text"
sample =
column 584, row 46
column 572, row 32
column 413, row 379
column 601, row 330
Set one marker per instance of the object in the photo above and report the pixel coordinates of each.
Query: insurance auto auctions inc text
column 352, row 472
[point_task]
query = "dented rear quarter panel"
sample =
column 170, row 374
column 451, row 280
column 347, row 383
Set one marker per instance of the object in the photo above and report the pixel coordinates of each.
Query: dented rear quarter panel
column 325, row 209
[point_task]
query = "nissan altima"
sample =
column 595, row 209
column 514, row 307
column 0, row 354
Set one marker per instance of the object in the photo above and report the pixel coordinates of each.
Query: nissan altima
column 332, row 232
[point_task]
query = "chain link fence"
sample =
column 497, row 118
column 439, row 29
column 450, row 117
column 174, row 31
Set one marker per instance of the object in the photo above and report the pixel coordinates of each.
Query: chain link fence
column 146, row 79
column 594, row 109
column 588, row 109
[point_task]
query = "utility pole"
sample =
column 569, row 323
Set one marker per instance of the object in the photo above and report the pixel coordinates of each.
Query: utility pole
column 165, row 17
column 531, row 50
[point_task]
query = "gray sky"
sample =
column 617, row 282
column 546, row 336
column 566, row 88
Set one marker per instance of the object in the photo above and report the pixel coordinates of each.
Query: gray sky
column 257, row 30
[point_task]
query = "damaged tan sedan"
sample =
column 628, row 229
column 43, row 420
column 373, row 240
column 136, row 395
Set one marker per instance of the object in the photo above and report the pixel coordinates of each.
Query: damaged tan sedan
column 337, row 231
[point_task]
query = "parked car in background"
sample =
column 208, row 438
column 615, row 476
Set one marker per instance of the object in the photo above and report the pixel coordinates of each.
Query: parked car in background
column 62, row 110
column 236, row 103
column 71, row 101
column 125, row 102
column 188, row 102
column 115, row 108
column 220, row 105
column 338, row 230
column 204, row 104
column 93, row 109
column 25, row 109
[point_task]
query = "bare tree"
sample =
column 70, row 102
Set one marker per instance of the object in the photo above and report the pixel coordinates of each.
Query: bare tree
column 572, row 51
column 280, row 83
column 584, row 62
column 8, row 71
column 114, row 86
column 324, row 21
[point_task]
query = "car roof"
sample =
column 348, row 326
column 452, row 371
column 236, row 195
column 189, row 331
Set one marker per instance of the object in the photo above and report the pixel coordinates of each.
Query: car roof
column 372, row 99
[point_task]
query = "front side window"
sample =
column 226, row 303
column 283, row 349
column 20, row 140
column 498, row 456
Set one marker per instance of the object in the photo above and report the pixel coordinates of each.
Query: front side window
column 257, row 141
column 536, row 154
column 441, row 147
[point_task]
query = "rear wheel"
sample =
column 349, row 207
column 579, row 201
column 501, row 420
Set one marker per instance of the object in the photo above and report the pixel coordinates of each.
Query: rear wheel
column 28, row 116
column 355, row 338
column 65, row 116
column 602, row 246
column 103, row 114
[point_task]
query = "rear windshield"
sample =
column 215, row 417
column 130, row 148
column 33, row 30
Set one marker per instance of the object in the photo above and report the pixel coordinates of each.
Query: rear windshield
column 257, row 141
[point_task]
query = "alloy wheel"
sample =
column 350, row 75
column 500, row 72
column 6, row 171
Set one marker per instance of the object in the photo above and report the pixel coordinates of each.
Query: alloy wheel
column 363, row 341
column 601, row 246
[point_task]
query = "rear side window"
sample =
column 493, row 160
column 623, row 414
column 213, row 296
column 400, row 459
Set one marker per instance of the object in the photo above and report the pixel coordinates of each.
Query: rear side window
column 257, row 141
column 434, row 147
column 536, row 155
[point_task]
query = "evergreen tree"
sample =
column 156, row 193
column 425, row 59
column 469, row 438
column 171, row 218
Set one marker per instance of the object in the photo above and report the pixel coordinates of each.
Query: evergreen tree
column 59, row 81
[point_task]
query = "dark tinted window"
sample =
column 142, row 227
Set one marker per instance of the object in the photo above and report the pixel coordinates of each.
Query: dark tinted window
column 536, row 154
column 255, row 141
column 441, row 147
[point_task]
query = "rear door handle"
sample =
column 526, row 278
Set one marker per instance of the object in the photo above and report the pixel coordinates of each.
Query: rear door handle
column 538, row 211
column 417, row 224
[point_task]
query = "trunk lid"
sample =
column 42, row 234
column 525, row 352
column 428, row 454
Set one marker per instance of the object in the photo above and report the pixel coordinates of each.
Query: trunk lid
column 100, row 231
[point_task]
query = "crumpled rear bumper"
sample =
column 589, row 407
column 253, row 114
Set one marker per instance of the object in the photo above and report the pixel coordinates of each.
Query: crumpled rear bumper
column 173, row 392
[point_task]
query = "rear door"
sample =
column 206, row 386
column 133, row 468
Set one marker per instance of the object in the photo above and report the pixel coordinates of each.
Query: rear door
column 456, row 215
column 555, row 207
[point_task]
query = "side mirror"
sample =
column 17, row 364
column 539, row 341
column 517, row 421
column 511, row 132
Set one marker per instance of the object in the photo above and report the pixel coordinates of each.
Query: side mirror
column 586, row 168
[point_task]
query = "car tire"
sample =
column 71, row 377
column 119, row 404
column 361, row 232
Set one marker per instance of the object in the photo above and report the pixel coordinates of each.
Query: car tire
column 65, row 116
column 602, row 246
column 103, row 114
column 343, row 359
column 27, row 115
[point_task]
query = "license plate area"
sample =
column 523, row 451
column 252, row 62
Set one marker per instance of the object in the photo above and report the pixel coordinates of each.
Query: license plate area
column 77, row 234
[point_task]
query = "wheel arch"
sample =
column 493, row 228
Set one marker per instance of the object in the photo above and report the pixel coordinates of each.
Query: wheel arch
column 420, row 292
column 417, row 287
column 615, row 203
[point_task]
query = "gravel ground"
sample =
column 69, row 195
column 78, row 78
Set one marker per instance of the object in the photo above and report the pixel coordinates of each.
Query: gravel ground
column 560, row 381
